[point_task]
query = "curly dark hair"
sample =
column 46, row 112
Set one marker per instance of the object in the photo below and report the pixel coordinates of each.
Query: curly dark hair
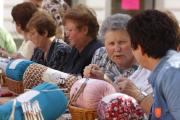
column 154, row 31
column 22, row 13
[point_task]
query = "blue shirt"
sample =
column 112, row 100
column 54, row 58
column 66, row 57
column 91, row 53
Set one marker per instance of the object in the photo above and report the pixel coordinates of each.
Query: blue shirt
column 165, row 81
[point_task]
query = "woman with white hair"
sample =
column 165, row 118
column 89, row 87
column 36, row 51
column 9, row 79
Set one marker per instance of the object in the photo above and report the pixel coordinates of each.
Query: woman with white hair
column 116, row 57
column 116, row 63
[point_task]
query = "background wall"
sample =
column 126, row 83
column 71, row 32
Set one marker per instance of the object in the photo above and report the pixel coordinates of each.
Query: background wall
column 1, row 13
column 171, row 5
column 8, row 21
column 103, row 8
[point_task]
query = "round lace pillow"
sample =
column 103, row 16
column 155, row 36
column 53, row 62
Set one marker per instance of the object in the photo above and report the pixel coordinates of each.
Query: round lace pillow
column 92, row 94
column 119, row 107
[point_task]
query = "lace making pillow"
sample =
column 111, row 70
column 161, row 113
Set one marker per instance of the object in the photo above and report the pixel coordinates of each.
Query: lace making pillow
column 36, row 74
column 16, row 68
column 119, row 107
column 33, row 75
column 63, row 80
column 50, row 98
column 93, row 92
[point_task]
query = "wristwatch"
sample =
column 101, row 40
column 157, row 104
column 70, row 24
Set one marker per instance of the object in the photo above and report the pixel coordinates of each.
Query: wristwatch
column 141, row 96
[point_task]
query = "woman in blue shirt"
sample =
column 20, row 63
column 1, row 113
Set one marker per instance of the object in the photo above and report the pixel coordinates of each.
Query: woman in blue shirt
column 154, row 39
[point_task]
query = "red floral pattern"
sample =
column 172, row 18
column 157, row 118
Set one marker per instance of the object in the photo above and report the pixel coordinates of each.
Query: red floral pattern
column 120, row 108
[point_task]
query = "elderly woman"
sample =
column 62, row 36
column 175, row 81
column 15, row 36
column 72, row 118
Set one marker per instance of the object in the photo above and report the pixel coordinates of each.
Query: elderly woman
column 50, row 51
column 21, row 14
column 116, row 58
column 116, row 63
column 81, row 29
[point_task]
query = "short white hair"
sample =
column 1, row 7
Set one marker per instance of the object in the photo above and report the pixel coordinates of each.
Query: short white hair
column 114, row 22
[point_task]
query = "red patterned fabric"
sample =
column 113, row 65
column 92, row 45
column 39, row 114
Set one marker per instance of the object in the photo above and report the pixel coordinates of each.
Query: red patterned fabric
column 119, row 107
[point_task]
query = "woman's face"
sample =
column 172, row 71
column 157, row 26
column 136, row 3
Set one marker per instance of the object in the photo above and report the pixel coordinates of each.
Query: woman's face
column 118, row 46
column 73, row 34
column 35, row 37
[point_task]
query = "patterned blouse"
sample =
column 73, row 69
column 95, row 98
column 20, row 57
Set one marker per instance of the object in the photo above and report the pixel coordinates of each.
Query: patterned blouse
column 111, row 70
column 56, row 57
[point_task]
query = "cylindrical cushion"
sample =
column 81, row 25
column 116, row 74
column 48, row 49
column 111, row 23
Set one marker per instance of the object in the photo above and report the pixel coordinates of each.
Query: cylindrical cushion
column 36, row 74
column 94, row 91
column 16, row 68
column 119, row 107
column 33, row 75
column 52, row 102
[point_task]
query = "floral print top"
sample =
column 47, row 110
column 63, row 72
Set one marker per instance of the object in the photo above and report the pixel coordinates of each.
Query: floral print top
column 56, row 56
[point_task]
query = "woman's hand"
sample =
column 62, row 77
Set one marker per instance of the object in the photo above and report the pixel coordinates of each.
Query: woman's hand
column 93, row 71
column 16, row 56
column 5, row 54
column 128, row 87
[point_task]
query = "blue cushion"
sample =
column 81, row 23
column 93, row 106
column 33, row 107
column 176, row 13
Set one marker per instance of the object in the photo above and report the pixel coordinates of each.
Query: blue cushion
column 16, row 68
column 52, row 103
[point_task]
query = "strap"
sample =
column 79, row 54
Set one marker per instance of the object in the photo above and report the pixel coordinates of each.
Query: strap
column 77, row 94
